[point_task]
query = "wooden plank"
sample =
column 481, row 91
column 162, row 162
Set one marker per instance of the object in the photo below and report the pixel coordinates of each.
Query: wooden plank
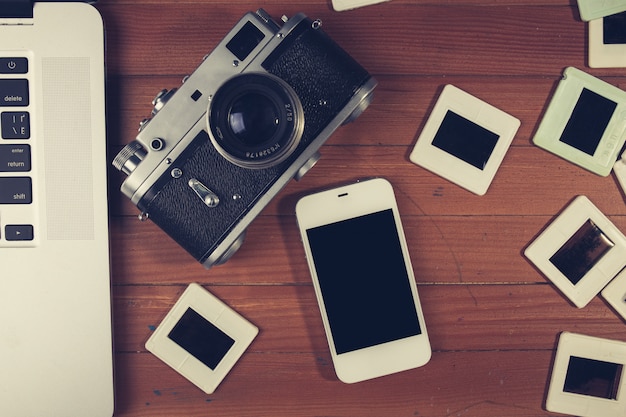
column 399, row 38
column 458, row 317
column 473, row 384
column 530, row 181
column 444, row 249
column 400, row 108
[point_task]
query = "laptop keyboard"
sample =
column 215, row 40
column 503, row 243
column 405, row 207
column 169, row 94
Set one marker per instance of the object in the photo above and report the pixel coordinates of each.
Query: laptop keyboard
column 17, row 216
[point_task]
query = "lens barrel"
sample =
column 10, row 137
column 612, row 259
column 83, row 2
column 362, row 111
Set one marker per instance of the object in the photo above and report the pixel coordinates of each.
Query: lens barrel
column 255, row 120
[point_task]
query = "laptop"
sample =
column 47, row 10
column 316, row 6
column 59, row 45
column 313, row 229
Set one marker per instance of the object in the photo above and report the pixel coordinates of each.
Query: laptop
column 56, row 351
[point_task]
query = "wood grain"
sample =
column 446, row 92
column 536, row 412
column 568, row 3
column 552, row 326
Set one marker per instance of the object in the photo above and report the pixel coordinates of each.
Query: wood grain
column 493, row 319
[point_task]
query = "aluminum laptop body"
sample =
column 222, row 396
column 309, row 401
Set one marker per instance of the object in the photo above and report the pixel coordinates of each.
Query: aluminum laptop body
column 56, row 352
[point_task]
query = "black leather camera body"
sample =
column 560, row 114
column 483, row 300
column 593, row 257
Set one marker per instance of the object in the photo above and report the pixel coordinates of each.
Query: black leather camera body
column 249, row 119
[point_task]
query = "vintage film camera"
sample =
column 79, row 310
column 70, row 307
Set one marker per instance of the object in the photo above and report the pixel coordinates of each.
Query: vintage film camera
column 250, row 118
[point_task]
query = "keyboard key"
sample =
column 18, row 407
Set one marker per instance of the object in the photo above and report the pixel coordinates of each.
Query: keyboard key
column 14, row 158
column 16, row 190
column 15, row 125
column 13, row 65
column 14, row 92
column 18, row 232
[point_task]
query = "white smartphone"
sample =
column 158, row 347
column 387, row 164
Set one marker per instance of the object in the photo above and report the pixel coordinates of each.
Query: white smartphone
column 363, row 280
column 343, row 5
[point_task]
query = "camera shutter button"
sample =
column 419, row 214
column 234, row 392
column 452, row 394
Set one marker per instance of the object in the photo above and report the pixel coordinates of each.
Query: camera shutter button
column 161, row 98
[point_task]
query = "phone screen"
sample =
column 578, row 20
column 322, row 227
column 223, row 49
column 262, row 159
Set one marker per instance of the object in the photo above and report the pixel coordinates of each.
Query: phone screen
column 363, row 280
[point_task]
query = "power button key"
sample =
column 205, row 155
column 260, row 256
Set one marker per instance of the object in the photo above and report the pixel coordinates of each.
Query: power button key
column 14, row 65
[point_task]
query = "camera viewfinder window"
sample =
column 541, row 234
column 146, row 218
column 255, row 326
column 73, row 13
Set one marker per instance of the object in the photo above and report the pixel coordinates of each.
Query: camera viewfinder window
column 614, row 29
column 588, row 121
column 201, row 338
column 593, row 378
column 245, row 41
column 581, row 252
column 465, row 140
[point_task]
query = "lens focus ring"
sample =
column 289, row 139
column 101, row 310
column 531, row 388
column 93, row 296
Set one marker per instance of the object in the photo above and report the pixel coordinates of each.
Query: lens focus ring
column 255, row 120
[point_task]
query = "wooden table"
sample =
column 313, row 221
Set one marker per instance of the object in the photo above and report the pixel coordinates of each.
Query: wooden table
column 493, row 318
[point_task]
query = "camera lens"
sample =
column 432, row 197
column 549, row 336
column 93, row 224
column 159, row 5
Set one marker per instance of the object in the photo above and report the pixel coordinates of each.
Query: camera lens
column 255, row 120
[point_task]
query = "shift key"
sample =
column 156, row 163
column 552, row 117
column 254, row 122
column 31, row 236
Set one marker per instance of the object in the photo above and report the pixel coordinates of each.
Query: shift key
column 16, row 190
